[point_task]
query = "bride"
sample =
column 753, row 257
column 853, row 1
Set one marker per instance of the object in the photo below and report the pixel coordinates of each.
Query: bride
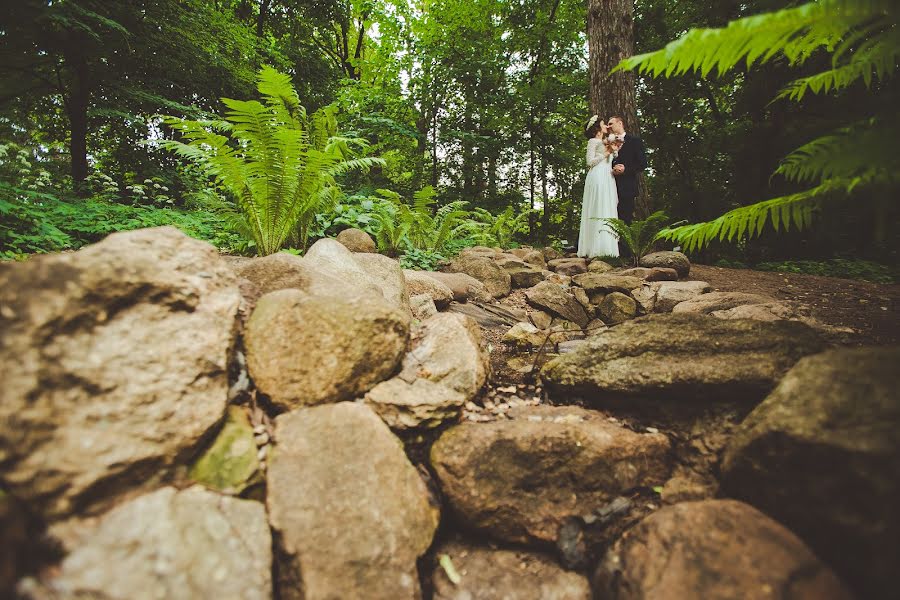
column 600, row 196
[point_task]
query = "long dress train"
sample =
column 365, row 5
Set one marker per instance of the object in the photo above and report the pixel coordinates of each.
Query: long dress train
column 601, row 200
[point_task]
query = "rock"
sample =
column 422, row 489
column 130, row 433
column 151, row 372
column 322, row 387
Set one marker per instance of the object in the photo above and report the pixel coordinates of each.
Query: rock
column 770, row 311
column 605, row 283
column 654, row 274
column 171, row 544
column 422, row 307
column 448, row 350
column 568, row 266
column 390, row 277
column 305, row 349
column 525, row 336
column 496, row 280
column 540, row 319
column 116, row 365
column 568, row 346
column 463, row 286
column 713, row 549
column 714, row 301
column 668, row 260
column 645, row 296
column 420, row 282
column 595, row 327
column 420, row 405
column 565, row 330
column 14, row 538
column 557, row 278
column 230, row 465
column 617, row 308
column 483, row 251
column 351, row 513
column 684, row 357
column 583, row 300
column 821, row 455
column 525, row 277
column 550, row 253
column 598, row 266
column 535, row 258
column 670, row 293
column 519, row 479
column 356, row 240
column 555, row 299
column 489, row 574
column 489, row 316
column 359, row 270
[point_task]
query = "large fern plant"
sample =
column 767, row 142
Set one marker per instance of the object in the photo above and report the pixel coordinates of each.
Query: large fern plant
column 638, row 236
column 500, row 229
column 863, row 38
column 418, row 225
column 277, row 164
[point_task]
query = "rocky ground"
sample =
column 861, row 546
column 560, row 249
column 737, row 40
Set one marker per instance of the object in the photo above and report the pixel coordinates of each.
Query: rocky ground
column 521, row 425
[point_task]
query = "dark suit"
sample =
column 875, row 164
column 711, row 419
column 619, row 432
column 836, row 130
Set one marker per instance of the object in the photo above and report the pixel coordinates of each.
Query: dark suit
column 632, row 157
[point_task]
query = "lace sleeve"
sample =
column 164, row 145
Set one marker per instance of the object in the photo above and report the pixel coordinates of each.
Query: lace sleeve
column 594, row 153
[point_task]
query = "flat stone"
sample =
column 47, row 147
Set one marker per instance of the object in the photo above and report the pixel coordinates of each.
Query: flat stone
column 422, row 404
column 669, row 260
column 605, row 283
column 568, row 266
column 555, row 299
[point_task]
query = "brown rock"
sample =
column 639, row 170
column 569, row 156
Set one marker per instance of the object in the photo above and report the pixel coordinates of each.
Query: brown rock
column 669, row 260
column 617, row 308
column 713, row 301
column 550, row 253
column 555, row 299
column 821, row 455
column 540, row 319
column 520, row 479
column 421, row 282
column 351, row 512
column 598, row 266
column 422, row 307
column 420, row 405
column 682, row 357
column 715, row 550
column 464, row 287
column 496, row 280
column 605, row 283
column 489, row 574
column 654, row 274
column 116, row 365
column 525, row 277
column 670, row 293
column 568, row 266
column 356, row 240
column 389, row 276
column 305, row 349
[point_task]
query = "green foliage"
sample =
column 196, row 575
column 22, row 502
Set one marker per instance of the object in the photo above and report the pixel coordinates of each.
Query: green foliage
column 639, row 236
column 863, row 39
column 500, row 230
column 279, row 166
column 418, row 226
column 423, row 260
column 34, row 222
column 848, row 268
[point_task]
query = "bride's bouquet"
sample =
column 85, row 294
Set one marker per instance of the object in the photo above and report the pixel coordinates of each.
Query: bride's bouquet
column 612, row 143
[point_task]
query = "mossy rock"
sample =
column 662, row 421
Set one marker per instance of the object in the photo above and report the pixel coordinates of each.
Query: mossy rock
column 229, row 465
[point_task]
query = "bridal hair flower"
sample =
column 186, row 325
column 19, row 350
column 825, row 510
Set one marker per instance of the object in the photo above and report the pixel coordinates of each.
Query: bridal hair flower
column 591, row 122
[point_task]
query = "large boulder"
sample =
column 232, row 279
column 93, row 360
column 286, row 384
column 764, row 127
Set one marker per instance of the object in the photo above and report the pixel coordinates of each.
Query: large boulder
column 531, row 256
column 716, row 550
column 305, row 349
column 420, row 282
column 617, row 308
column 594, row 283
column 116, row 365
column 598, row 266
column 230, row 464
column 499, row 574
column 683, row 357
column 168, row 544
column 495, row 279
column 524, row 276
column 421, row 404
column 668, row 260
column 447, row 349
column 464, row 287
column 390, row 277
column 654, row 274
column 671, row 293
column 568, row 266
column 351, row 512
column 557, row 300
column 356, row 240
column 520, row 479
column 716, row 301
column 821, row 454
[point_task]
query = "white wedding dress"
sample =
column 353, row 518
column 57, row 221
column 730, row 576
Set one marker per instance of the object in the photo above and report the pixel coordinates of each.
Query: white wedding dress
column 601, row 200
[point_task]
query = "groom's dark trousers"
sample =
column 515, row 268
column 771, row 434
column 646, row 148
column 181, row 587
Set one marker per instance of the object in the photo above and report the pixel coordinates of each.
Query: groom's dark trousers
column 632, row 157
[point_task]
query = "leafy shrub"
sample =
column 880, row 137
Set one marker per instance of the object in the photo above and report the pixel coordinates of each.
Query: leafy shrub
column 848, row 268
column 640, row 236
column 423, row 260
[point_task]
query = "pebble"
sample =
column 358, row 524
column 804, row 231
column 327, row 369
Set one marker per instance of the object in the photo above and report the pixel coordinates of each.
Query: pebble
column 652, row 430
column 262, row 439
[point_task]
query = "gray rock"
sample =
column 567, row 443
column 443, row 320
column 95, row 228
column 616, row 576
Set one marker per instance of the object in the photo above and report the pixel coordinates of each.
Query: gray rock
column 422, row 307
column 447, row 349
column 422, row 404
column 617, row 308
column 682, row 357
column 171, row 544
column 496, row 280
column 555, row 299
column 821, row 454
column 305, row 349
column 389, row 275
column 351, row 513
column 356, row 240
column 420, row 282
column 713, row 549
column 116, row 361
column 489, row 574
column 464, row 287
column 669, row 260
column 670, row 293
column 520, row 479
column 715, row 301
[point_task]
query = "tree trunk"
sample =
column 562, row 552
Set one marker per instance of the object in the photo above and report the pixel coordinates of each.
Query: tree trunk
column 610, row 32
column 77, row 107
column 261, row 17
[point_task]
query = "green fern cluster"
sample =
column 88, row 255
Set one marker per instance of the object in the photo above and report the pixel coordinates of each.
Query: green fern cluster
column 278, row 164
column 863, row 38
column 638, row 236
column 499, row 230
column 418, row 226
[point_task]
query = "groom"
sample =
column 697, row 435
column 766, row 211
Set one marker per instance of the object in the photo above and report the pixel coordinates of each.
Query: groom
column 626, row 167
